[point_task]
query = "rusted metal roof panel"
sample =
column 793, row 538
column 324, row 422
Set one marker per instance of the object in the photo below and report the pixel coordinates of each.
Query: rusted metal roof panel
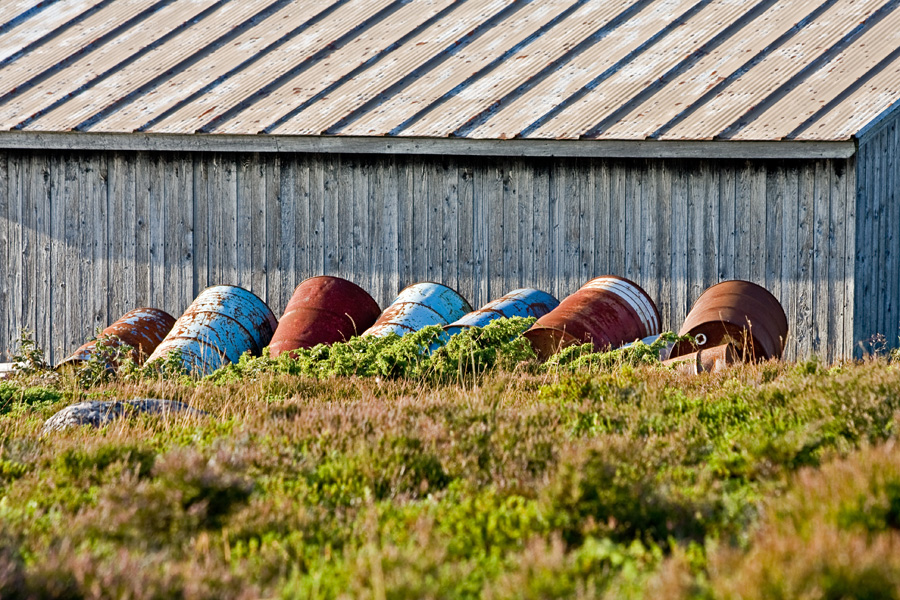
column 494, row 69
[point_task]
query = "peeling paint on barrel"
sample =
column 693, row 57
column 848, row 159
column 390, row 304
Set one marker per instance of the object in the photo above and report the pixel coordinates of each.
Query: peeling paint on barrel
column 418, row 306
column 607, row 311
column 142, row 328
column 738, row 311
column 323, row 310
column 222, row 323
column 524, row 302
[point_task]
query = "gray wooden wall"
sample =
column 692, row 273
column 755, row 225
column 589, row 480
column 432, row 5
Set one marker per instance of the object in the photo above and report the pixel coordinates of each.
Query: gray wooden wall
column 878, row 245
column 84, row 237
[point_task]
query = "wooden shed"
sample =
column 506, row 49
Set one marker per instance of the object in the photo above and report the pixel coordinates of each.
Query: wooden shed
column 150, row 148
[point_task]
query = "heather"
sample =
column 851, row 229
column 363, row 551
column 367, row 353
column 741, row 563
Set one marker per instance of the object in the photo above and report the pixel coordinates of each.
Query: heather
column 597, row 476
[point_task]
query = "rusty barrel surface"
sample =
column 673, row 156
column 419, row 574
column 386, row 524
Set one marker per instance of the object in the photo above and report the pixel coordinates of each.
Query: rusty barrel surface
column 706, row 360
column 607, row 311
column 323, row 310
column 418, row 306
column 142, row 328
column 740, row 311
column 222, row 323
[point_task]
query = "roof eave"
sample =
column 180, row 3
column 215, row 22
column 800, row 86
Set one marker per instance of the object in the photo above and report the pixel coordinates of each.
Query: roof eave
column 696, row 149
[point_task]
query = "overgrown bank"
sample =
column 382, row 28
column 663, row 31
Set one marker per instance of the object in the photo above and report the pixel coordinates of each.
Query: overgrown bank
column 514, row 485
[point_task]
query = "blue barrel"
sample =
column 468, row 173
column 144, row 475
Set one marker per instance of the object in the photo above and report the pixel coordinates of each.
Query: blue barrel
column 418, row 306
column 524, row 302
column 222, row 323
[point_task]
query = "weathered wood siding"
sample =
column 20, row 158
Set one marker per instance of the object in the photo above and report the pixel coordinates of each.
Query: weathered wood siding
column 87, row 236
column 878, row 240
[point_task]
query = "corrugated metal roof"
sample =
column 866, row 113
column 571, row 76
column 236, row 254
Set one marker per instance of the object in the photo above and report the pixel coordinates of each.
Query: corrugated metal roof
column 479, row 69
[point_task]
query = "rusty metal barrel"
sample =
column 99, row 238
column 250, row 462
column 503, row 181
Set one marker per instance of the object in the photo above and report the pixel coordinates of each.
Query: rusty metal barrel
column 738, row 311
column 707, row 360
column 418, row 306
column 222, row 323
column 607, row 311
column 142, row 328
column 323, row 310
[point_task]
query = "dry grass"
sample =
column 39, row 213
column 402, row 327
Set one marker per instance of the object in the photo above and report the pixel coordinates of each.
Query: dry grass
column 618, row 483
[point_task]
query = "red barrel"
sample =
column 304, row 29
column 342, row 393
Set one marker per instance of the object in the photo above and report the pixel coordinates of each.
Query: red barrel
column 607, row 311
column 142, row 329
column 740, row 312
column 324, row 310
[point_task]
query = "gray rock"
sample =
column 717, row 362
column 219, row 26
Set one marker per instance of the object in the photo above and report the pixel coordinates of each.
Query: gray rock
column 96, row 413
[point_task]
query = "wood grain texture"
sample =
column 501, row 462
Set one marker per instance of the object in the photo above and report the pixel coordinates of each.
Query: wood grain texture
column 90, row 235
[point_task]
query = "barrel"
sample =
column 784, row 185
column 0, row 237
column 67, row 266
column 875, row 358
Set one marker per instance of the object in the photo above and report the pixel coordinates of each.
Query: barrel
column 607, row 311
column 142, row 329
column 418, row 306
column 524, row 302
column 323, row 310
column 706, row 360
column 222, row 323
column 738, row 311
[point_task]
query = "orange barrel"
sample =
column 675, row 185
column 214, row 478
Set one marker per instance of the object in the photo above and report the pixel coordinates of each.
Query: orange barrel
column 706, row 360
column 738, row 311
column 607, row 311
column 142, row 328
column 323, row 310
column 222, row 323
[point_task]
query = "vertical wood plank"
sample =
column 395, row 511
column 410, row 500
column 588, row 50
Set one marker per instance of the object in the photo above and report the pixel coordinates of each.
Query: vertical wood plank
column 633, row 238
column 390, row 283
column 258, row 231
column 806, row 239
column 663, row 250
column 698, row 178
column 822, row 242
column 27, row 213
column 601, row 200
column 850, row 240
column 679, row 263
column 360, row 267
column 524, row 211
column 541, row 242
column 307, row 244
column 278, row 279
column 617, row 209
column 6, row 274
column 201, row 204
column 41, row 199
column 406, row 216
column 743, row 221
column 376, row 224
column 449, row 178
column 158, row 220
column 141, row 230
column 757, row 218
column 508, row 244
column 776, row 182
column 466, row 231
column 569, row 205
column 245, row 185
column 790, row 274
column 646, row 230
column 728, row 233
column 331, row 194
column 16, row 262
column 837, row 287
column 487, row 186
column 434, row 225
column 892, row 180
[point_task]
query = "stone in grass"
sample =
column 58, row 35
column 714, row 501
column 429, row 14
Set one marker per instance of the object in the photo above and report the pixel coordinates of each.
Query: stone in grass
column 96, row 413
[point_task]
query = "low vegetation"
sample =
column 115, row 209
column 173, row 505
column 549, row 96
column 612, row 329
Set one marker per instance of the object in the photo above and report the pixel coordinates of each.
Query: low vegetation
column 473, row 472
